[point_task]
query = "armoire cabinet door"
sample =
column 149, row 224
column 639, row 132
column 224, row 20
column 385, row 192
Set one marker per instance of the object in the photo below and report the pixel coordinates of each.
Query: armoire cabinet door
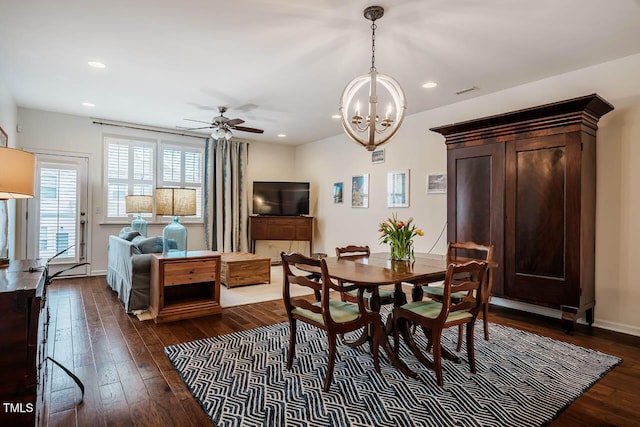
column 475, row 200
column 542, row 226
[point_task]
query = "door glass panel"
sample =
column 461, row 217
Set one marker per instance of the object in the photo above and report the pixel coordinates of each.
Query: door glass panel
column 57, row 215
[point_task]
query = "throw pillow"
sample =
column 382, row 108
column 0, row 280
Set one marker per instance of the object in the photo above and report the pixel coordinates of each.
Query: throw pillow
column 150, row 245
column 127, row 234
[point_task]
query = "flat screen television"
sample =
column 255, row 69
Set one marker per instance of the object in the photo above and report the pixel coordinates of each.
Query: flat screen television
column 280, row 198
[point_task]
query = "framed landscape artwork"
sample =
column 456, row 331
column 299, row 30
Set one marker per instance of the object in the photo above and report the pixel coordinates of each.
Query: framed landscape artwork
column 398, row 189
column 337, row 192
column 377, row 156
column 437, row 183
column 360, row 191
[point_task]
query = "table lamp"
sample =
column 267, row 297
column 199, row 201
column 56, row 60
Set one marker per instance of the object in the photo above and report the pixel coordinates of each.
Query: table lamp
column 175, row 202
column 139, row 205
column 17, row 172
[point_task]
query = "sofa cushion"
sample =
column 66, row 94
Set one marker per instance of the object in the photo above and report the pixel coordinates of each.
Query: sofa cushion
column 127, row 234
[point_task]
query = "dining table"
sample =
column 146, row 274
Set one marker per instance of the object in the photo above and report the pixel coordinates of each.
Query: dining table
column 375, row 270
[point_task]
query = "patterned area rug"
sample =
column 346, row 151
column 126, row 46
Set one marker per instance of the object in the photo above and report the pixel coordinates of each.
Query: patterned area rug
column 523, row 380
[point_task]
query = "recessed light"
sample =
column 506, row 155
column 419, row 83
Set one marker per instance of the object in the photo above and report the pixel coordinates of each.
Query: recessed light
column 335, row 116
column 429, row 85
column 88, row 104
column 282, row 135
column 96, row 64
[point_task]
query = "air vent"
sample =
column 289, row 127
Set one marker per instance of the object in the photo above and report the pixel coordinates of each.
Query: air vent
column 469, row 89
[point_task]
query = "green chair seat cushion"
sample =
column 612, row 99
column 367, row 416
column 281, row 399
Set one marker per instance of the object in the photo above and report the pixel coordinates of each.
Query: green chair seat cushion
column 439, row 291
column 341, row 312
column 385, row 294
column 431, row 310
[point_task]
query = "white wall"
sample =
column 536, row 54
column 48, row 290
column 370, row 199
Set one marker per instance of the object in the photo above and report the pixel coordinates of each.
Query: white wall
column 336, row 159
column 60, row 133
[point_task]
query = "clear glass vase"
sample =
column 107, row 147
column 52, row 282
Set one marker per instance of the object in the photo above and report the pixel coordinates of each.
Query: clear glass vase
column 401, row 251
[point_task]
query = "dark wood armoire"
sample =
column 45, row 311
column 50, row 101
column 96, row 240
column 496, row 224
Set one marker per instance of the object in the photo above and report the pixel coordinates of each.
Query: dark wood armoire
column 525, row 182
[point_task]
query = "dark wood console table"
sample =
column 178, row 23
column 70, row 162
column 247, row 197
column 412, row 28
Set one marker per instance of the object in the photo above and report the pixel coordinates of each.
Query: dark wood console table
column 264, row 227
column 23, row 330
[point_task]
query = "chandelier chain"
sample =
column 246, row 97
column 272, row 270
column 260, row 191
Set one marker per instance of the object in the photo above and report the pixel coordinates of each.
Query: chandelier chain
column 373, row 46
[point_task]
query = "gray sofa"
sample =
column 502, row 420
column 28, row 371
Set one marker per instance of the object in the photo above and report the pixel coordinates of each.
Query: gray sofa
column 129, row 267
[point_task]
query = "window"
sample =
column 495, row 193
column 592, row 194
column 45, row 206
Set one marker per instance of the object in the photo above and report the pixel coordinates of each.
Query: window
column 182, row 167
column 130, row 168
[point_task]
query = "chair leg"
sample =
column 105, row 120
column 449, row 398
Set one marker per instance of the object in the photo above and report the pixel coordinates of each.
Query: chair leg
column 460, row 336
column 427, row 334
column 332, row 361
column 292, row 342
column 485, row 320
column 470, row 347
column 437, row 356
column 396, row 334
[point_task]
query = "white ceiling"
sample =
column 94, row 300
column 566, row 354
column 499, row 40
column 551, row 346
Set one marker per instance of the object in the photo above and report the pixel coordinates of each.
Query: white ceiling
column 281, row 65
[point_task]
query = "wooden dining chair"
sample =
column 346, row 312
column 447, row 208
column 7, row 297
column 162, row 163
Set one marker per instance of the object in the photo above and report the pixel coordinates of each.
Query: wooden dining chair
column 331, row 315
column 434, row 316
column 354, row 251
column 467, row 250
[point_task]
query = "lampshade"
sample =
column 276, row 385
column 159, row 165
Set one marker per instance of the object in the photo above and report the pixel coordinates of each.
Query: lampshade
column 175, row 201
column 138, row 204
column 17, row 173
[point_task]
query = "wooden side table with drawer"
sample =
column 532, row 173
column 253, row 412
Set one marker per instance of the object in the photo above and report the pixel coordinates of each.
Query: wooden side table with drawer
column 183, row 287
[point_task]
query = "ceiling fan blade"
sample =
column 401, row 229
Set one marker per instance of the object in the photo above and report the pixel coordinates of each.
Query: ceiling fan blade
column 185, row 128
column 234, row 122
column 199, row 121
column 246, row 129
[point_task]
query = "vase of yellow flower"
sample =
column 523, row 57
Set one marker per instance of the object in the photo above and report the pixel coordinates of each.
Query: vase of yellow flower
column 399, row 235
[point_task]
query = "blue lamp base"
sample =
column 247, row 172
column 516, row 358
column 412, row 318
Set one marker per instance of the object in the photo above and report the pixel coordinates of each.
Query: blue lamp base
column 174, row 239
column 139, row 225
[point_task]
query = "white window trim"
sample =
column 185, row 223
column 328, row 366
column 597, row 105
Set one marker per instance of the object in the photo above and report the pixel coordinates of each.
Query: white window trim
column 157, row 146
column 183, row 147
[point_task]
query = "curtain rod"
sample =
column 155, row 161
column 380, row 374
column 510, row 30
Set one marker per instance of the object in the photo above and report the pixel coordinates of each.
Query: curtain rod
column 139, row 127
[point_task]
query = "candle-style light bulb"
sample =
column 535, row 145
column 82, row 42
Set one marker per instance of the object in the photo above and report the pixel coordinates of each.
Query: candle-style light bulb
column 389, row 111
column 357, row 113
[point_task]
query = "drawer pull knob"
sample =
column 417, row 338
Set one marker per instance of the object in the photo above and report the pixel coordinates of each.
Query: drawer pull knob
column 190, row 271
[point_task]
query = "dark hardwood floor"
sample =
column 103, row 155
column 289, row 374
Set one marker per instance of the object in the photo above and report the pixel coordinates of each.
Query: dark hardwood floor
column 129, row 381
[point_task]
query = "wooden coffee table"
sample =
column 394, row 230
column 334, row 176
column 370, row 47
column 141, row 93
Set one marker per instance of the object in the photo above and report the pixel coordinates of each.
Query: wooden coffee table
column 243, row 268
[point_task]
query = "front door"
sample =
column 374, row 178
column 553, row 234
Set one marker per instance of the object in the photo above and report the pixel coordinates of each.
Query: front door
column 57, row 220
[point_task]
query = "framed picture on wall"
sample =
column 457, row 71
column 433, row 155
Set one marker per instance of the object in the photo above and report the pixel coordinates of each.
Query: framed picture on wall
column 437, row 183
column 4, row 138
column 337, row 192
column 377, row 156
column 360, row 191
column 398, row 189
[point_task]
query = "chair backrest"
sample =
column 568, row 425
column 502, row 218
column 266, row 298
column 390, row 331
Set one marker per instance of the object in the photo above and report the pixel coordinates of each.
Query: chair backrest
column 353, row 251
column 474, row 272
column 321, row 288
column 469, row 250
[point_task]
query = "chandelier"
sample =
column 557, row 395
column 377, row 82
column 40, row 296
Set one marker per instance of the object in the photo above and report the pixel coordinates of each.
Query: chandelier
column 367, row 128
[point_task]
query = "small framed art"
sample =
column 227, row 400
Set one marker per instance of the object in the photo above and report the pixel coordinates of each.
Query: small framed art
column 398, row 189
column 337, row 192
column 377, row 156
column 437, row 183
column 360, row 191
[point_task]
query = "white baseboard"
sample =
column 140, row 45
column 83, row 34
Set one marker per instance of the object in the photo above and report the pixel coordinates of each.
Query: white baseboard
column 98, row 273
column 557, row 314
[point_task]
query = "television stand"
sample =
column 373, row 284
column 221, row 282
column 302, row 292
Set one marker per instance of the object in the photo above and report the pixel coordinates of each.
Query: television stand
column 269, row 227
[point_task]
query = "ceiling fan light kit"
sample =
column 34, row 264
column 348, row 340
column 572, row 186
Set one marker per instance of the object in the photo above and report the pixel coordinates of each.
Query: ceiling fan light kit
column 369, row 131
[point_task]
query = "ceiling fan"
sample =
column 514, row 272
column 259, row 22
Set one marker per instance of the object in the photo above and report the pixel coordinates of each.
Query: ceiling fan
column 222, row 125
